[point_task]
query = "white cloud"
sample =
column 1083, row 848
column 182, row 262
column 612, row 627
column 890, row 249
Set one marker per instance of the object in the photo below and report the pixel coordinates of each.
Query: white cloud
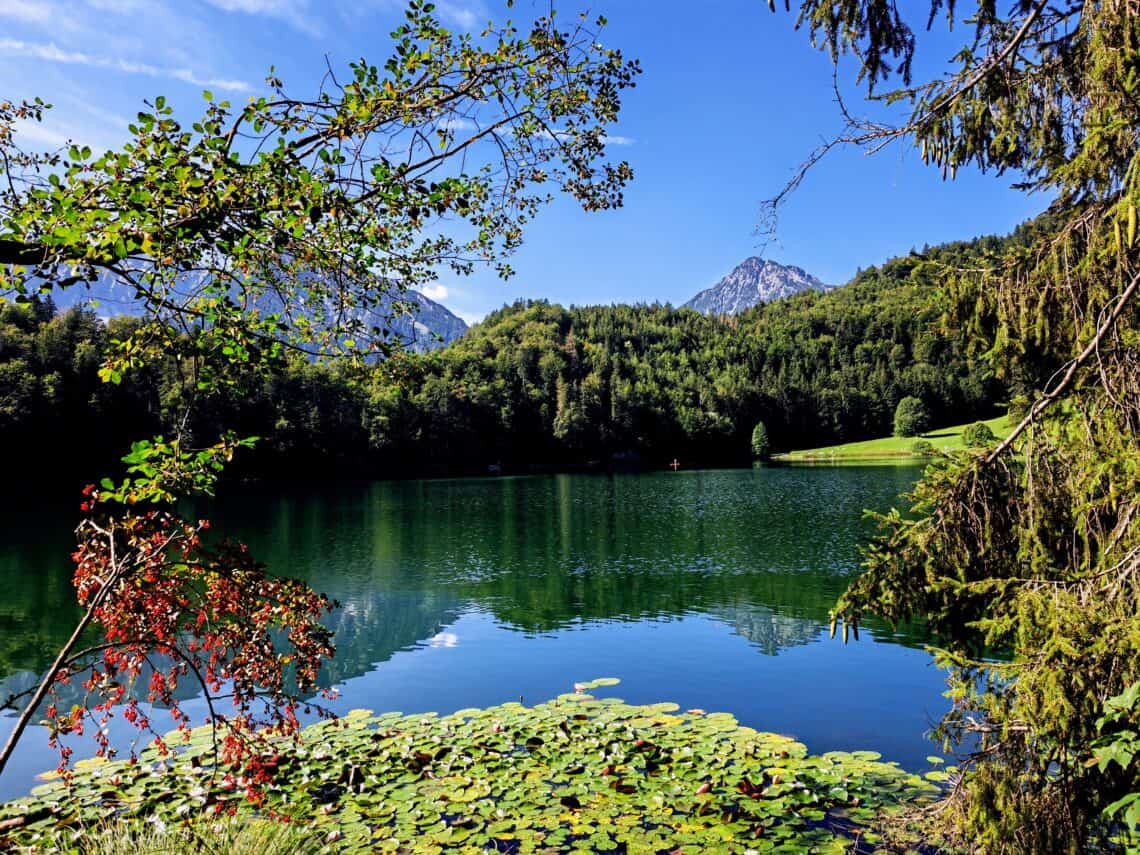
column 75, row 119
column 113, row 121
column 51, row 53
column 26, row 10
column 464, row 16
column 273, row 8
column 434, row 292
column 37, row 133
column 294, row 12
column 119, row 7
column 51, row 135
column 470, row 318
column 123, row 7
column 455, row 123
column 607, row 139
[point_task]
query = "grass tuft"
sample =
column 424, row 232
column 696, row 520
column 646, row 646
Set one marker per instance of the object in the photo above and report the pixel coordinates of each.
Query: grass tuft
column 222, row 836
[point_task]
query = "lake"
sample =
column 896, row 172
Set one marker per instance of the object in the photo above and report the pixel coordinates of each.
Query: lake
column 708, row 588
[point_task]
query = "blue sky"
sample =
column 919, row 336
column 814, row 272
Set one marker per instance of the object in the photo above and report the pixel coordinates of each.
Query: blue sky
column 731, row 100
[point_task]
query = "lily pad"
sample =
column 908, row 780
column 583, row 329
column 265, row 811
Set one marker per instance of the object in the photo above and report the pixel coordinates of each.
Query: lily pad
column 575, row 773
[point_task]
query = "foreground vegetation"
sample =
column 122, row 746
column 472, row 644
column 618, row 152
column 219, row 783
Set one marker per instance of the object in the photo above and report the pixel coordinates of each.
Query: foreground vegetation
column 210, row 834
column 1032, row 545
column 897, row 447
column 578, row 772
column 279, row 227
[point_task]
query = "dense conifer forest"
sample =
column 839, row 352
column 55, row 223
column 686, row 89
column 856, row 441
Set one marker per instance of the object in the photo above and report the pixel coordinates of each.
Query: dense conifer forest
column 534, row 384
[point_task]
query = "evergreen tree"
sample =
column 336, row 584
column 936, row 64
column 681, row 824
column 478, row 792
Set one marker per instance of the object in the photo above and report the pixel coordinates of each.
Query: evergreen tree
column 1032, row 546
column 761, row 450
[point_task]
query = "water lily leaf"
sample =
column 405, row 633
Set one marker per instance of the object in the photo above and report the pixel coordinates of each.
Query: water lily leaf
column 575, row 773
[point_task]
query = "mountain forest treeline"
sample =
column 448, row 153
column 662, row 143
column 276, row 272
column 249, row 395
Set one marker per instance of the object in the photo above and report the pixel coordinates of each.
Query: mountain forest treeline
column 534, row 383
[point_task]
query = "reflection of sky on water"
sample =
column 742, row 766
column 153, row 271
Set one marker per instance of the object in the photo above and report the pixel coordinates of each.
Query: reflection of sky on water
column 707, row 588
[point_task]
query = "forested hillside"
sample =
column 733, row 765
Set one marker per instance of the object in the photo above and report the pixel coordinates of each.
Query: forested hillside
column 536, row 383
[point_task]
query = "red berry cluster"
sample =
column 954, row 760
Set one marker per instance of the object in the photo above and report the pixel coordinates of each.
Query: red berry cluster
column 181, row 618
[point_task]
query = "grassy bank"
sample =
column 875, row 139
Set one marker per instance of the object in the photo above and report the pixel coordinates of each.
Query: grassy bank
column 892, row 447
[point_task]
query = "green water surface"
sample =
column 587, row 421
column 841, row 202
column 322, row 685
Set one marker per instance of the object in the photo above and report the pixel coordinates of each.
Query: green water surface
column 708, row 588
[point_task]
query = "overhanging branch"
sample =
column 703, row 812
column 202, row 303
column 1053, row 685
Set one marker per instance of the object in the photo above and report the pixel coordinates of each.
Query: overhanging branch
column 1067, row 380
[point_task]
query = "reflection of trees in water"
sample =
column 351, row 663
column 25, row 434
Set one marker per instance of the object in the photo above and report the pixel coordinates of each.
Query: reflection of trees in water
column 405, row 559
column 38, row 609
column 73, row 692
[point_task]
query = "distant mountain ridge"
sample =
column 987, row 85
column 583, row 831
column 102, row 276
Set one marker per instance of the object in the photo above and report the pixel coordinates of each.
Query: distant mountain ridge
column 755, row 280
column 432, row 325
column 427, row 325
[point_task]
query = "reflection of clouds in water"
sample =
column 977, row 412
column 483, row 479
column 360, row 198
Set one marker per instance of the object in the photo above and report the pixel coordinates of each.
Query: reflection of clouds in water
column 443, row 639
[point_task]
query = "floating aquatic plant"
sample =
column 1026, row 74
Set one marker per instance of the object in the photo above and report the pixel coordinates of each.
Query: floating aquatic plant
column 575, row 773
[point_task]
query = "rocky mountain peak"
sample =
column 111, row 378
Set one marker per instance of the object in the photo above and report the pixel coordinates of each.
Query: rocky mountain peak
column 755, row 280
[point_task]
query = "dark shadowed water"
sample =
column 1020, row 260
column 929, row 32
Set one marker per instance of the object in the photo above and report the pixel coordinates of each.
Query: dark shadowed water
column 707, row 588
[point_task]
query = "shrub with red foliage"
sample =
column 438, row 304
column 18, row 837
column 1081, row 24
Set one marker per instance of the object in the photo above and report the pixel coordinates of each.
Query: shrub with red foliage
column 172, row 608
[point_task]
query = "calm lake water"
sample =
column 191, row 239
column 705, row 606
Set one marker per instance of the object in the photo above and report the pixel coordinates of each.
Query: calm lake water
column 708, row 588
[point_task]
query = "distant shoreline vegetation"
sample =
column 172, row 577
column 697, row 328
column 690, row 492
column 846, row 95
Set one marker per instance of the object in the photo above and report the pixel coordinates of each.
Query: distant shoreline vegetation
column 534, row 387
